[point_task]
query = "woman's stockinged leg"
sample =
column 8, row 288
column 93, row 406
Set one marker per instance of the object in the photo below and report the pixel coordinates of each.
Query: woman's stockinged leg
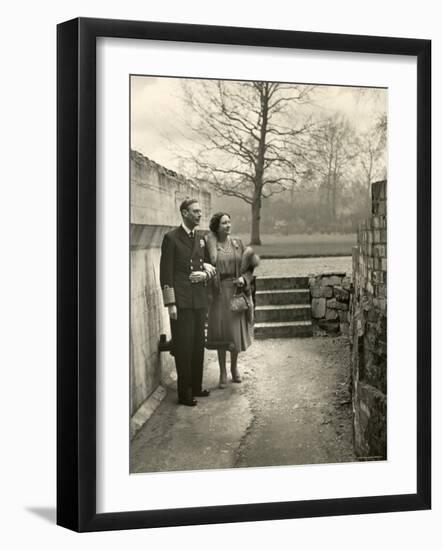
column 222, row 368
column 234, row 367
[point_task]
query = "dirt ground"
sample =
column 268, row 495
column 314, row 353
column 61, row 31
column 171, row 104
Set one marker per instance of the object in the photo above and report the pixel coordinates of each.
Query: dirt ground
column 293, row 407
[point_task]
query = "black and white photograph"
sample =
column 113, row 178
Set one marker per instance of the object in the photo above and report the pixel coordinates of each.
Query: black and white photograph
column 199, row 205
column 258, row 274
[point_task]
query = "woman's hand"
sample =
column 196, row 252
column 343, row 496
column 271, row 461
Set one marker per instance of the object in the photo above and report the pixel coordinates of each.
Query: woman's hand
column 198, row 276
column 209, row 269
column 240, row 282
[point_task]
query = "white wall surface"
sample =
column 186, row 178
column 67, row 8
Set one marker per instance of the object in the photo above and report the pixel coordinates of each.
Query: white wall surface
column 27, row 275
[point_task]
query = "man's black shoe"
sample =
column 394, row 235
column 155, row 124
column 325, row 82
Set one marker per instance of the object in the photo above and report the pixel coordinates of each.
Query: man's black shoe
column 202, row 393
column 188, row 403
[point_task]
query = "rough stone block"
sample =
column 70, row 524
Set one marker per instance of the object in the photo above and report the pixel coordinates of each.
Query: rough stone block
column 334, row 304
column 360, row 327
column 377, row 263
column 377, row 236
column 384, row 264
column 316, row 290
column 379, row 251
column 378, row 277
column 346, row 283
column 331, row 327
column 344, row 316
column 366, row 302
column 382, row 208
column 381, row 304
column 371, row 338
column 383, row 236
column 341, row 295
column 378, row 326
column 373, row 314
column 331, row 314
column 375, row 369
column 381, row 348
column 380, row 291
column 328, row 292
column 370, row 422
column 318, row 308
column 378, row 190
column 344, row 328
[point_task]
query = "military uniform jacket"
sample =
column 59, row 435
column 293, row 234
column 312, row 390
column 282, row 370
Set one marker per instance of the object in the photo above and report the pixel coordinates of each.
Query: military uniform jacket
column 180, row 255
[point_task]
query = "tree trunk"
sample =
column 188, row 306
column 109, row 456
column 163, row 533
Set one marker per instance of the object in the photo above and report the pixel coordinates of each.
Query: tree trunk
column 255, row 237
column 333, row 204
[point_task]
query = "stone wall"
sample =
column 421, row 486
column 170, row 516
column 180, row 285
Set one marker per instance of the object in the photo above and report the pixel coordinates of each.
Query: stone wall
column 155, row 196
column 330, row 295
column 368, row 330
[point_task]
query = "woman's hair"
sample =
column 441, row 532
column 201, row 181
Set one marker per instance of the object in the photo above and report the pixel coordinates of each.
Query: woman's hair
column 215, row 221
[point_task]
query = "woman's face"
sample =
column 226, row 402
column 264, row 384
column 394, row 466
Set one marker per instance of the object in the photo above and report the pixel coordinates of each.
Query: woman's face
column 224, row 226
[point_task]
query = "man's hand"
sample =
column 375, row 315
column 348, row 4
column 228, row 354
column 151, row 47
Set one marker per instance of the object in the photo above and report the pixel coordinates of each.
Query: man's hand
column 173, row 313
column 198, row 276
column 209, row 269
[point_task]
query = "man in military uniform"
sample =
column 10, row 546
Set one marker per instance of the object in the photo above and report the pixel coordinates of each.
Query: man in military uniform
column 184, row 272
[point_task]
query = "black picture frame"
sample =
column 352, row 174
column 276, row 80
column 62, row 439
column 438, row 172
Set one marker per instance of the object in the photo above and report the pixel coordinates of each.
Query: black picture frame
column 77, row 286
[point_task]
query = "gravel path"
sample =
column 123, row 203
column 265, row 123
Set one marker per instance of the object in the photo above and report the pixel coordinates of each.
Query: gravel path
column 293, row 407
column 300, row 403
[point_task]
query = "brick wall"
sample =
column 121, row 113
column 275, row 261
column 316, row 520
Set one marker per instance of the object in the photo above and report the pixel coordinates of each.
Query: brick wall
column 368, row 330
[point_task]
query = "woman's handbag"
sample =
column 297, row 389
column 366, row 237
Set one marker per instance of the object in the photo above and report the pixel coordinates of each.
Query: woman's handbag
column 239, row 303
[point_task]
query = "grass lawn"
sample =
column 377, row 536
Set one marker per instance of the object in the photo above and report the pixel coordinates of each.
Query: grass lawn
column 302, row 246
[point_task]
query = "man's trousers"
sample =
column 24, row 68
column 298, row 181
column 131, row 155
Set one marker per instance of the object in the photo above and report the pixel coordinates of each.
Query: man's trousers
column 188, row 345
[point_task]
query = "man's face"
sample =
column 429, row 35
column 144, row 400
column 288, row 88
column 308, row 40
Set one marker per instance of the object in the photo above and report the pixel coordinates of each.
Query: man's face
column 192, row 216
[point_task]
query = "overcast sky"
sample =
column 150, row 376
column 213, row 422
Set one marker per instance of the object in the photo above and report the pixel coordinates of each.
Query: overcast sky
column 158, row 114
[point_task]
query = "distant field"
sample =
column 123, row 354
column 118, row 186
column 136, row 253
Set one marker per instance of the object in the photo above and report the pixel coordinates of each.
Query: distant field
column 301, row 267
column 302, row 246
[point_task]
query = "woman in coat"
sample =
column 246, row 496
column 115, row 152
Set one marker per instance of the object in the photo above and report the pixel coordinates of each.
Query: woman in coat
column 228, row 329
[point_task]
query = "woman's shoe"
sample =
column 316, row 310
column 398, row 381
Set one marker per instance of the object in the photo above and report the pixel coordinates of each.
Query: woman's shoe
column 236, row 378
column 222, row 378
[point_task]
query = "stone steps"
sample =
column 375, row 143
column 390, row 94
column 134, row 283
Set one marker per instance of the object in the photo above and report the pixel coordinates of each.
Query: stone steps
column 281, row 283
column 283, row 308
column 294, row 329
column 282, row 297
column 280, row 313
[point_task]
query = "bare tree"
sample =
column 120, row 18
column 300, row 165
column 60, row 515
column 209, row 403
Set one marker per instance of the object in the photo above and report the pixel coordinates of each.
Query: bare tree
column 250, row 138
column 372, row 154
column 332, row 153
